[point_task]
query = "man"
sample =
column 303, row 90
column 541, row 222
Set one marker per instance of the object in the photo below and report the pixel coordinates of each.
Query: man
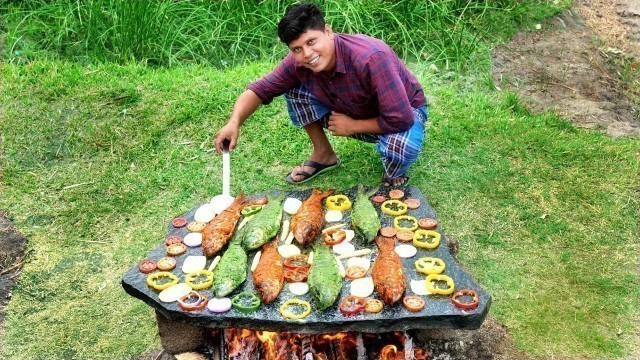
column 352, row 85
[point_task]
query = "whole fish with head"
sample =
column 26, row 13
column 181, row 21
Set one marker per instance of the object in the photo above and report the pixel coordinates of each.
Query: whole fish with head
column 325, row 281
column 364, row 216
column 219, row 230
column 264, row 225
column 387, row 272
column 309, row 219
column 268, row 277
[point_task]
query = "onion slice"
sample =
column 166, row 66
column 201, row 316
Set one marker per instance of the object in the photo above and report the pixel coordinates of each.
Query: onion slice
column 362, row 287
column 221, row 202
column 288, row 250
column 343, row 248
column 219, row 305
column 175, row 292
column 363, row 262
column 205, row 213
column 299, row 288
column 193, row 239
column 333, row 216
column 406, row 250
column 350, row 235
column 291, row 205
column 419, row 287
column 256, row 260
column 194, row 263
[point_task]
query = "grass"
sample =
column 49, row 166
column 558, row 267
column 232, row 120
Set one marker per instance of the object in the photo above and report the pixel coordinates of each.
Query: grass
column 222, row 33
column 98, row 158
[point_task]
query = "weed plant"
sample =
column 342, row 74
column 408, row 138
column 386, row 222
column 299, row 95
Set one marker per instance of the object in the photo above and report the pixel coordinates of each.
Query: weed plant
column 220, row 33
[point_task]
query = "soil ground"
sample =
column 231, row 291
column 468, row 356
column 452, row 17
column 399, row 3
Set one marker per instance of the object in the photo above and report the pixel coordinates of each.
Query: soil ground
column 571, row 65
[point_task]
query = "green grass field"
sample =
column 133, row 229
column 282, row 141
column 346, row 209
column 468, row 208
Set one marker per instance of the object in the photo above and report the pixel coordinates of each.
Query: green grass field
column 545, row 214
column 102, row 144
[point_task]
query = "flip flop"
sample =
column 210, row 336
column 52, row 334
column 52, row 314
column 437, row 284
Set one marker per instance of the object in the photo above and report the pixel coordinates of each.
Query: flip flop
column 319, row 169
column 387, row 181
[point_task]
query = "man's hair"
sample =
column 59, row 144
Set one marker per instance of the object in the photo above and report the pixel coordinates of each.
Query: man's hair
column 298, row 19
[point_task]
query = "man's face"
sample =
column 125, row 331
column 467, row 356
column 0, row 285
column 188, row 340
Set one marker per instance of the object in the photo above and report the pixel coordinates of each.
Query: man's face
column 315, row 50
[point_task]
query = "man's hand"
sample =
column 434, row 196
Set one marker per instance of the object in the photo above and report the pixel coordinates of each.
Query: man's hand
column 229, row 133
column 341, row 124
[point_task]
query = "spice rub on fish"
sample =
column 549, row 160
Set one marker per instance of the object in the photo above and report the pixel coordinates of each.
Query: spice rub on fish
column 387, row 272
column 309, row 219
column 268, row 277
column 219, row 230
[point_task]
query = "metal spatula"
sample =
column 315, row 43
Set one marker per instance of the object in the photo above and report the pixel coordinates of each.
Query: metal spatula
column 226, row 169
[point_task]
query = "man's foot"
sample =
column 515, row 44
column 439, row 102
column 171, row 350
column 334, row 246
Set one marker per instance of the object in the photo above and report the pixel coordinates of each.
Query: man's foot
column 396, row 181
column 308, row 170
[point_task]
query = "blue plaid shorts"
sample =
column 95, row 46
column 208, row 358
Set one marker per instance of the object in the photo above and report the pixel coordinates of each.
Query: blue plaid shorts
column 398, row 150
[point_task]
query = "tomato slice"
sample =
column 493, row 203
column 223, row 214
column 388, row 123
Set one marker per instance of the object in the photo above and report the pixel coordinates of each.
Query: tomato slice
column 355, row 272
column 457, row 299
column 379, row 199
column 396, row 194
column 192, row 302
column 173, row 240
column 179, row 222
column 413, row 303
column 388, row 231
column 373, row 306
column 296, row 275
column 166, row 263
column 352, row 305
column 334, row 237
column 147, row 266
column 427, row 223
column 297, row 261
column 412, row 203
column 405, row 235
column 176, row 249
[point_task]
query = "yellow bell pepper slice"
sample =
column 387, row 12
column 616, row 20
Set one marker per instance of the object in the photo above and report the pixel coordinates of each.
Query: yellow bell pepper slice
column 338, row 202
column 394, row 207
column 161, row 280
column 426, row 239
column 199, row 280
column 430, row 265
column 432, row 287
column 398, row 219
column 302, row 309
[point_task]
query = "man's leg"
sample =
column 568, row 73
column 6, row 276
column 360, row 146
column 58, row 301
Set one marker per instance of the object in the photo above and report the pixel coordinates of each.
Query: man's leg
column 399, row 151
column 306, row 111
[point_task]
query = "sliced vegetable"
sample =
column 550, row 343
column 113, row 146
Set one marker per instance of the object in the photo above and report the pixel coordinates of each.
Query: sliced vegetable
column 250, row 210
column 172, row 240
column 434, row 284
column 396, row 194
column 161, row 280
column 352, row 305
column 291, row 206
column 214, row 263
column 406, row 250
column 338, row 202
column 373, row 306
column 388, row 231
column 176, row 249
column 285, row 229
column 355, row 253
column 288, row 250
column 193, row 239
column 334, row 237
column 256, row 260
column 430, row 265
column 299, row 261
column 404, row 235
column 220, row 202
column 200, row 279
column 343, row 248
column 333, row 216
column 427, row 223
column 379, row 199
column 465, row 299
column 362, row 287
column 363, row 262
column 219, row 305
column 193, row 301
column 400, row 221
column 166, row 263
column 412, row 203
column 355, row 272
column 245, row 302
column 196, row 226
column 333, row 227
column 296, row 275
column 299, row 288
column 419, row 287
column 413, row 303
column 295, row 309
column 179, row 222
column 147, row 266
column 205, row 213
column 350, row 235
column 193, row 263
column 426, row 239
column 174, row 292
column 394, row 207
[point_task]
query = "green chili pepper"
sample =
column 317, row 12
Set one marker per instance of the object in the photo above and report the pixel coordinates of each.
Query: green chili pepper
column 245, row 302
column 250, row 210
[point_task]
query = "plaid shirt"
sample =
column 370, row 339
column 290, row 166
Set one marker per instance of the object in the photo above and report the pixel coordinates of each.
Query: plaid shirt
column 369, row 81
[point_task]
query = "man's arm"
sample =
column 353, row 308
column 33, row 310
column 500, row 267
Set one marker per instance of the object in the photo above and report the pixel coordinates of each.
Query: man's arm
column 343, row 125
column 246, row 104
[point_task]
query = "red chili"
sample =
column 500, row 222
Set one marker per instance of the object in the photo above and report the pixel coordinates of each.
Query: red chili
column 455, row 299
column 352, row 305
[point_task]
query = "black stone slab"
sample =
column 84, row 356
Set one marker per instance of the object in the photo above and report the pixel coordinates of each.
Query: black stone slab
column 438, row 313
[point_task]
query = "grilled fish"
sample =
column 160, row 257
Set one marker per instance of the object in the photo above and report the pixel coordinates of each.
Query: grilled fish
column 218, row 231
column 387, row 272
column 364, row 216
column 268, row 277
column 264, row 225
column 325, row 281
column 309, row 220
column 231, row 271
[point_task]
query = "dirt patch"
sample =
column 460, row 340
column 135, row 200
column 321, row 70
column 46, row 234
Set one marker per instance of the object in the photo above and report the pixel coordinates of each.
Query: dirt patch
column 567, row 68
column 12, row 251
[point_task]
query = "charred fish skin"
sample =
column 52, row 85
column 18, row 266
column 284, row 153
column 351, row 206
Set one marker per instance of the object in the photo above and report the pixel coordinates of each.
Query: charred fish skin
column 325, row 281
column 387, row 272
column 264, row 225
column 364, row 216
column 268, row 277
column 309, row 219
column 231, row 271
column 219, row 230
